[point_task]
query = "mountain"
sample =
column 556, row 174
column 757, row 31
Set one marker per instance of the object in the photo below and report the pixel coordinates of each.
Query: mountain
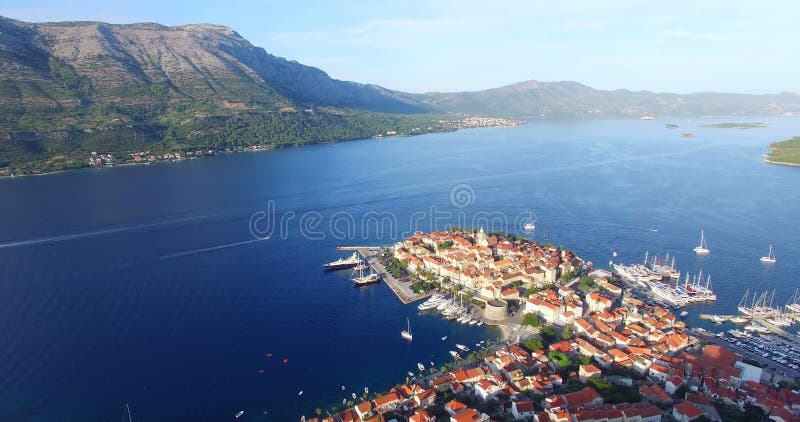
column 534, row 99
column 65, row 63
column 69, row 88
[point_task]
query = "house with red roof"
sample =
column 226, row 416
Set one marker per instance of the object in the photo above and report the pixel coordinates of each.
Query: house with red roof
column 523, row 410
column 587, row 372
column 587, row 396
column 422, row 416
column 686, row 412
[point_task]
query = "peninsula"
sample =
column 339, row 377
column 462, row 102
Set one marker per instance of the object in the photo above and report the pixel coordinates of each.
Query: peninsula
column 785, row 152
column 593, row 351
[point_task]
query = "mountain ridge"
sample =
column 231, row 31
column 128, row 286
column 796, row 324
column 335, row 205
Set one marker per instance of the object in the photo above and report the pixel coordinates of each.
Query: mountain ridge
column 68, row 88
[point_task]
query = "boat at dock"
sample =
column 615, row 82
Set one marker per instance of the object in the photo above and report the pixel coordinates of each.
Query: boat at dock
column 406, row 334
column 463, row 348
column 343, row 263
column 770, row 258
column 718, row 319
column 455, row 355
column 360, row 279
column 702, row 248
column 420, row 366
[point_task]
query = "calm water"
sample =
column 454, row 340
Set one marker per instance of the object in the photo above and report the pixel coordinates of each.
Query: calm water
column 142, row 285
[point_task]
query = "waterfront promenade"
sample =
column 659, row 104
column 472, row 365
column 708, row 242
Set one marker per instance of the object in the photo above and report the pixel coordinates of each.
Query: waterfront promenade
column 402, row 290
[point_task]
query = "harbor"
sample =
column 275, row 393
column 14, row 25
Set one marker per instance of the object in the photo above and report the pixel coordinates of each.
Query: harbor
column 661, row 281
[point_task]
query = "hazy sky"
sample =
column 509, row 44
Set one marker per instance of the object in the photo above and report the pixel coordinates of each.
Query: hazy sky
column 454, row 45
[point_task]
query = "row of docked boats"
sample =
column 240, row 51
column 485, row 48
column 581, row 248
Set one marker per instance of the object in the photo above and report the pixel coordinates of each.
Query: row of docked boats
column 761, row 306
column 452, row 309
column 661, row 280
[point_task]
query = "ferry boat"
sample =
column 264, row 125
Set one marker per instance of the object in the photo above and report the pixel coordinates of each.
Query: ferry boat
column 406, row 334
column 770, row 258
column 702, row 248
column 342, row 263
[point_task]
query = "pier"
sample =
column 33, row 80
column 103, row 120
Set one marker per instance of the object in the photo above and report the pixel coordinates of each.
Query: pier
column 401, row 290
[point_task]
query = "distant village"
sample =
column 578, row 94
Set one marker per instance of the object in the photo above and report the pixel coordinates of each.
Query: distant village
column 613, row 358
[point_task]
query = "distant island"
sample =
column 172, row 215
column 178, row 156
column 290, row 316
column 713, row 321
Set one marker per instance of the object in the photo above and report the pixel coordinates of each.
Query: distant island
column 785, row 152
column 736, row 125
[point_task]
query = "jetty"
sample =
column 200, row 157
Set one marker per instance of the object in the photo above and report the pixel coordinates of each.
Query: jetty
column 402, row 290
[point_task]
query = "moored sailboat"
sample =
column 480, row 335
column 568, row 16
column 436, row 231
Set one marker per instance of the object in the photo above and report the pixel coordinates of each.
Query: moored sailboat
column 770, row 258
column 702, row 248
column 406, row 334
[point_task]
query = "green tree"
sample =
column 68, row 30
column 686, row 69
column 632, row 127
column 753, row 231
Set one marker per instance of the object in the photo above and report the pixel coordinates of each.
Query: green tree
column 548, row 333
column 532, row 344
column 568, row 332
column 532, row 320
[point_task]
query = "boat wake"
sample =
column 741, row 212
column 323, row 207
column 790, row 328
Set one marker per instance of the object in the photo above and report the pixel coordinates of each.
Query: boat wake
column 98, row 233
column 210, row 249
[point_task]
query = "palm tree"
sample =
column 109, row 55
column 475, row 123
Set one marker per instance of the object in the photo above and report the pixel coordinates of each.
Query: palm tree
column 318, row 411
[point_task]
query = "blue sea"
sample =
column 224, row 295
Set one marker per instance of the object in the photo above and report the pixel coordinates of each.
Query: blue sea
column 166, row 286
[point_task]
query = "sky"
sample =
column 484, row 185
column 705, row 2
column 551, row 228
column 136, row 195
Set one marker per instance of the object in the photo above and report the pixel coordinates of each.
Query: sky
column 466, row 45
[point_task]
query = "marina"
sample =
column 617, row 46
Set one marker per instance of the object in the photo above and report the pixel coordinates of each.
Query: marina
column 660, row 280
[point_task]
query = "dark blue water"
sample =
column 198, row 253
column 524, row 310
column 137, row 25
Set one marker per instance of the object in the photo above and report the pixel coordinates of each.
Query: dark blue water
column 144, row 285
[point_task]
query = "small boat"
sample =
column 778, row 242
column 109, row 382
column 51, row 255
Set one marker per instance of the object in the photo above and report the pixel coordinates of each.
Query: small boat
column 462, row 348
column 473, row 321
column 455, row 355
column 420, row 366
column 738, row 320
column 285, row 361
column 410, row 374
column 300, row 393
column 343, row 388
column 341, row 263
column 702, row 248
column 406, row 334
column 260, row 372
column 354, row 395
column 479, row 323
column 684, row 314
column 444, row 338
column 432, row 365
column 239, row 414
column 769, row 259
column 648, row 117
column 718, row 319
column 366, row 390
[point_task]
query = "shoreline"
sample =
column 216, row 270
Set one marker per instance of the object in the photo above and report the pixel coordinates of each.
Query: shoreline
column 768, row 161
column 259, row 148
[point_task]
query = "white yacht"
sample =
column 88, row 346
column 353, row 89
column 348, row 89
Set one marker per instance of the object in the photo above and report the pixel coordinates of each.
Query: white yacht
column 340, row 263
column 769, row 259
column 702, row 248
